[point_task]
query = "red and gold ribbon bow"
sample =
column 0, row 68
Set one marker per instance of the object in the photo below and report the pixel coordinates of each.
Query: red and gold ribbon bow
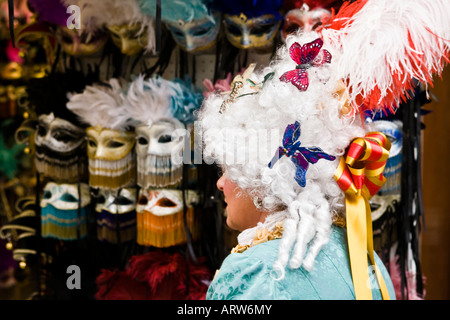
column 360, row 176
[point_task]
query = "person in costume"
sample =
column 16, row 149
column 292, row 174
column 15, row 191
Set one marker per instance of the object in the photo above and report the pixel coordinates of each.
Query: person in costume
column 278, row 144
column 299, row 167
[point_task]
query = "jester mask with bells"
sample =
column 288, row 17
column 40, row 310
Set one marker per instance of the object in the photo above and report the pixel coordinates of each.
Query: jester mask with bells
column 161, row 110
column 249, row 23
column 192, row 24
column 60, row 146
column 130, row 29
column 64, row 213
column 75, row 31
column 160, row 217
column 116, row 215
column 110, row 144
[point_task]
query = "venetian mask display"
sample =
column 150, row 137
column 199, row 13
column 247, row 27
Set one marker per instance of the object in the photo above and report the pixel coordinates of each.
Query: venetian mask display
column 75, row 43
column 116, row 215
column 156, row 149
column 60, row 149
column 64, row 212
column 160, row 221
column 197, row 35
column 244, row 33
column 130, row 39
column 111, row 158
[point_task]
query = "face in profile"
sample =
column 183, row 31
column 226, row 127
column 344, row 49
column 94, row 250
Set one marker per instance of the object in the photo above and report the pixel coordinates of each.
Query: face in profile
column 240, row 208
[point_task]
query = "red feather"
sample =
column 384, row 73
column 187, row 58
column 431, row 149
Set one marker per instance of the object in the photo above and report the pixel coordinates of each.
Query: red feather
column 117, row 285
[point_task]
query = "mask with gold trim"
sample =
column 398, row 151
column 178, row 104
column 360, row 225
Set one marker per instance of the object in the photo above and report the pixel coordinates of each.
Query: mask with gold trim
column 131, row 30
column 116, row 215
column 196, row 36
column 160, row 217
column 76, row 43
column 129, row 39
column 245, row 33
column 110, row 138
column 111, row 158
column 64, row 213
column 250, row 24
column 193, row 25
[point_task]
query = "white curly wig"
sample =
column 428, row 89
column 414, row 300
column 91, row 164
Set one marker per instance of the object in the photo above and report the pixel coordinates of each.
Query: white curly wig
column 243, row 139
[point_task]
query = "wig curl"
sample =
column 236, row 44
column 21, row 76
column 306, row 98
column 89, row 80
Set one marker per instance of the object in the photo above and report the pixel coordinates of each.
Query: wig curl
column 244, row 137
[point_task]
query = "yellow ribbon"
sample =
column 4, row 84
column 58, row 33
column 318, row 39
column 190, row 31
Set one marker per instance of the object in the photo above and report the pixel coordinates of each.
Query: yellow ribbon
column 360, row 176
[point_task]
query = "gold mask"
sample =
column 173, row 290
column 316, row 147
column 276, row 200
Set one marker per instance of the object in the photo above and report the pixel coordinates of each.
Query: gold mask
column 130, row 39
column 75, row 43
column 112, row 160
column 246, row 33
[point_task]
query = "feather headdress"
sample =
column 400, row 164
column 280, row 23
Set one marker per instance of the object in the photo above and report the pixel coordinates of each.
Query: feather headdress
column 383, row 45
column 101, row 104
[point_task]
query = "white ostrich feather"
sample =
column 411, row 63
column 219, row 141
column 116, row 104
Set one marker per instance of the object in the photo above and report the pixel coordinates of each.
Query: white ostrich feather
column 101, row 105
column 148, row 100
column 409, row 38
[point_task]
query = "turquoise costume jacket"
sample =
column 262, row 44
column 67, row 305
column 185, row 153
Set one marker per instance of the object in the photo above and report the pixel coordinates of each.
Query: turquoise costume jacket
column 248, row 275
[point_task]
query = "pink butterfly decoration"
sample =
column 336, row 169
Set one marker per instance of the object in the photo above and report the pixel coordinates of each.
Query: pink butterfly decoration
column 305, row 56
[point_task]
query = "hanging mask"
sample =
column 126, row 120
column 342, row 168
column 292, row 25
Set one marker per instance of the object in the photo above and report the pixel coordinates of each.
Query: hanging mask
column 129, row 39
column 116, row 215
column 393, row 169
column 60, row 149
column 156, row 149
column 111, row 158
column 78, row 44
column 63, row 213
column 245, row 33
column 197, row 35
column 160, row 221
column 304, row 19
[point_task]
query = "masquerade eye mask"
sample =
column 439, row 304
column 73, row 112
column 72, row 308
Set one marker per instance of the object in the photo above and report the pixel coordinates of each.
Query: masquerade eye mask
column 130, row 39
column 116, row 215
column 60, row 149
column 258, row 32
column 111, row 158
column 160, row 221
column 63, row 212
column 197, row 35
column 75, row 44
column 156, row 147
column 304, row 19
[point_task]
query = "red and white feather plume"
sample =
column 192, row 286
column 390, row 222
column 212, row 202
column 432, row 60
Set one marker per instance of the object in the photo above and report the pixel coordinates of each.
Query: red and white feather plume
column 382, row 45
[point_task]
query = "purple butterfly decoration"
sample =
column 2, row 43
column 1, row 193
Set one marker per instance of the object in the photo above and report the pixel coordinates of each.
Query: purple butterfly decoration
column 300, row 156
column 305, row 56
